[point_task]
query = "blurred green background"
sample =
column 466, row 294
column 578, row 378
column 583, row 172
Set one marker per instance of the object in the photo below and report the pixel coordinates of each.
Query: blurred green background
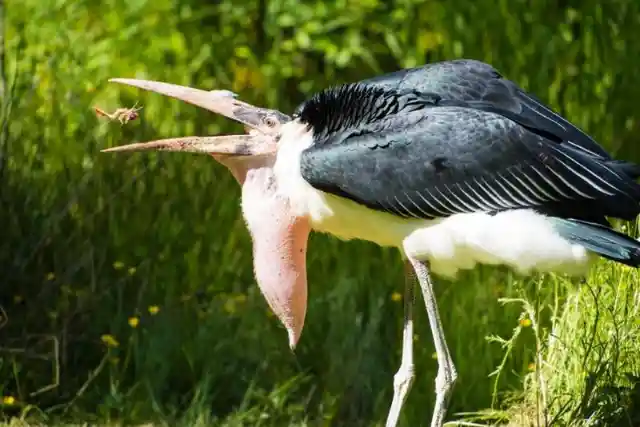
column 127, row 293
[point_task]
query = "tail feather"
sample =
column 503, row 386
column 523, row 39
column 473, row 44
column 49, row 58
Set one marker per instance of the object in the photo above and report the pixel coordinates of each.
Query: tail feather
column 600, row 239
column 632, row 170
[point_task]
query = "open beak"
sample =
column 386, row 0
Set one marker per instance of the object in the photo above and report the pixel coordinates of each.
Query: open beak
column 262, row 124
column 279, row 237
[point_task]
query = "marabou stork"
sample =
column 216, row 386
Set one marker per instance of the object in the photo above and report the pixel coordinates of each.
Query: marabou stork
column 451, row 163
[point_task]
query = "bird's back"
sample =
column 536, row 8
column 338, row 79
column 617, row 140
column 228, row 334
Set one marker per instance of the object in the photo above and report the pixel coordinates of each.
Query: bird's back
column 472, row 80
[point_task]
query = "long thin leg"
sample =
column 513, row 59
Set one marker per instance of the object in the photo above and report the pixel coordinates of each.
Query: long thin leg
column 403, row 379
column 447, row 374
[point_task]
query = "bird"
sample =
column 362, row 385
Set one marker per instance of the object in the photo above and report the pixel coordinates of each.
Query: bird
column 450, row 162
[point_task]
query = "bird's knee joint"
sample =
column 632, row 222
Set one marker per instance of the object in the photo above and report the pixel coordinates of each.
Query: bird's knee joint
column 445, row 379
column 454, row 375
column 404, row 376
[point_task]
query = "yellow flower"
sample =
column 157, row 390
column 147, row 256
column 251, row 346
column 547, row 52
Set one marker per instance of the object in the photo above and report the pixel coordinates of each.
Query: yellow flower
column 531, row 366
column 525, row 323
column 109, row 340
column 153, row 310
column 131, row 271
column 396, row 296
column 51, row 276
column 118, row 265
column 134, row 321
column 8, row 400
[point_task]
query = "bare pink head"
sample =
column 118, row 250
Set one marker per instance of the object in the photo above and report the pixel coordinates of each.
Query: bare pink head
column 279, row 238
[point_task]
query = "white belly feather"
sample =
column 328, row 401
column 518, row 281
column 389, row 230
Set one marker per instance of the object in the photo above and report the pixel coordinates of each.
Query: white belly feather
column 521, row 239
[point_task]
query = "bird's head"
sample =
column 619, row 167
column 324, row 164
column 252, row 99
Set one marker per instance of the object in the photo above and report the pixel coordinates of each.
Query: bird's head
column 279, row 237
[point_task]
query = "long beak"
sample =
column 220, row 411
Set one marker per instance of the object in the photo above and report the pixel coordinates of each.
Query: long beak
column 263, row 124
column 221, row 102
column 233, row 145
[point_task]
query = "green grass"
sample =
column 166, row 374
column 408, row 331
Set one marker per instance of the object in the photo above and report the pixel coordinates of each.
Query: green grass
column 90, row 241
column 232, row 367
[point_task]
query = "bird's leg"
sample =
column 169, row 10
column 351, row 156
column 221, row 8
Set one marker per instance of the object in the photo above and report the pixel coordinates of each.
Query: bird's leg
column 446, row 371
column 403, row 379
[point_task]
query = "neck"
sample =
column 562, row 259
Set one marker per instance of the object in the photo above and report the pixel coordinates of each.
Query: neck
column 279, row 248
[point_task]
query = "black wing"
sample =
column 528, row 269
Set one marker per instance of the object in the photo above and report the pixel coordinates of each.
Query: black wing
column 417, row 156
column 470, row 80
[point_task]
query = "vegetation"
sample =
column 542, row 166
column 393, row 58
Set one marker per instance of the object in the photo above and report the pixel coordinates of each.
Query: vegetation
column 127, row 294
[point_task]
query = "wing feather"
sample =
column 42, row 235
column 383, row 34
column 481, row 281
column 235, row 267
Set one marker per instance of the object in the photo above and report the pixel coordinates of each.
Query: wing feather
column 463, row 202
column 422, row 214
column 523, row 197
column 497, row 196
column 435, row 199
column 437, row 161
column 471, row 80
column 481, row 201
column 431, row 210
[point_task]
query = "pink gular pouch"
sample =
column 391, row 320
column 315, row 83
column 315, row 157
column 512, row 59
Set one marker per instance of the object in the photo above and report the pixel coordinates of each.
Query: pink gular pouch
column 279, row 238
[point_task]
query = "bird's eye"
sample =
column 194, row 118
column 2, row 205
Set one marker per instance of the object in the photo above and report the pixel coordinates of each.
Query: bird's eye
column 270, row 121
